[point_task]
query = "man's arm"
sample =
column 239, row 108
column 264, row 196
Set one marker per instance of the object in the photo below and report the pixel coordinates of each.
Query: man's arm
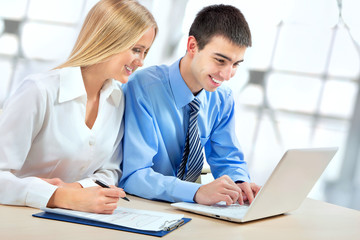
column 223, row 151
column 140, row 151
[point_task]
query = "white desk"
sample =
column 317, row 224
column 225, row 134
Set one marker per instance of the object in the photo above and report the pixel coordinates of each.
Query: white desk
column 313, row 220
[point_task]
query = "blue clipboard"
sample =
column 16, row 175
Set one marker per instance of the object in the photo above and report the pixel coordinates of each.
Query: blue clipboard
column 94, row 223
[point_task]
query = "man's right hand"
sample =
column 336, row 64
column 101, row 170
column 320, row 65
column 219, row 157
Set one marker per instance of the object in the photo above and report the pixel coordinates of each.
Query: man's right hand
column 221, row 189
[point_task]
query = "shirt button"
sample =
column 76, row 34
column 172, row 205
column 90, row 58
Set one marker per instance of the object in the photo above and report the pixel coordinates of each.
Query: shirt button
column 92, row 141
column 82, row 171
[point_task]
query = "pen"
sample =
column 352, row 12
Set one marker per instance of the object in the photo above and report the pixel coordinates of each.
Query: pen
column 101, row 184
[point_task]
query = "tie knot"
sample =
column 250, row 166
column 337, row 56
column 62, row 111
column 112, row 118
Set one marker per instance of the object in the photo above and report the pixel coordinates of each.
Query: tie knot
column 194, row 105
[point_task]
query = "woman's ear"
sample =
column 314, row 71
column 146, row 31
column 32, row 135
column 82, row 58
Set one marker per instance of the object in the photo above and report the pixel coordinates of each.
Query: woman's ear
column 192, row 46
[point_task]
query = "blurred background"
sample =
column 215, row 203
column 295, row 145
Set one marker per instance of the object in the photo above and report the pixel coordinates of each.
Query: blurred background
column 298, row 86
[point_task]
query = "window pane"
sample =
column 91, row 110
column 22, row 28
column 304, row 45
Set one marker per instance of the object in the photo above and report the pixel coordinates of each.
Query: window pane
column 295, row 129
column 293, row 93
column 46, row 41
column 14, row 9
column 332, row 133
column 339, row 98
column 9, row 44
column 344, row 59
column 322, row 13
column 302, row 48
column 67, row 11
column 252, row 95
column 2, row 26
column 259, row 55
column 350, row 12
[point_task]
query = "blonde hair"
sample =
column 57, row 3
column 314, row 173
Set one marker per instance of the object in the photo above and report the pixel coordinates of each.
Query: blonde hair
column 111, row 27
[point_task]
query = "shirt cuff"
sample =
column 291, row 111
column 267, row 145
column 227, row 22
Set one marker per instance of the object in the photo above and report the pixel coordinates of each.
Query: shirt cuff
column 238, row 178
column 87, row 182
column 185, row 191
column 39, row 193
column 239, row 181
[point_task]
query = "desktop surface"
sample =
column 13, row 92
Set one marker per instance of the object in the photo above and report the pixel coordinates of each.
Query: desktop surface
column 312, row 220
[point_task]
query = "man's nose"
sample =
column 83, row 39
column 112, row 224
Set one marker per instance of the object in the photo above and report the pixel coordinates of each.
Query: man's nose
column 226, row 73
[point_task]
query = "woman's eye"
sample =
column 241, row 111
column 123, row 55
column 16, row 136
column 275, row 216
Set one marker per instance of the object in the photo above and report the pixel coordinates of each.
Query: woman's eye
column 136, row 50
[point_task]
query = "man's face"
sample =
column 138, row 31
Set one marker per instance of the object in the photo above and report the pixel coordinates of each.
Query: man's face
column 215, row 63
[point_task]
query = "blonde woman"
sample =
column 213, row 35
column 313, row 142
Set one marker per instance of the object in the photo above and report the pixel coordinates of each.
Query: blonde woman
column 62, row 130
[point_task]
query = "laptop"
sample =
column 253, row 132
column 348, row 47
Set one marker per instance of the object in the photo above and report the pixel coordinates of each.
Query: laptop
column 284, row 191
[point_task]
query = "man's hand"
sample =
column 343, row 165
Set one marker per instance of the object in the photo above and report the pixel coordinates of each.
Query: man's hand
column 248, row 192
column 221, row 189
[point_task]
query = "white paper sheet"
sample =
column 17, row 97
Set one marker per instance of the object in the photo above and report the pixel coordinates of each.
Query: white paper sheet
column 126, row 217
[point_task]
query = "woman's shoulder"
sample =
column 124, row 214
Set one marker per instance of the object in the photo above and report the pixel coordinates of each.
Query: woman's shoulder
column 43, row 77
column 47, row 82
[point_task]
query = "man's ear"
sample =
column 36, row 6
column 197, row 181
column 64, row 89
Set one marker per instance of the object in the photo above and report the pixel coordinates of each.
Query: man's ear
column 192, row 46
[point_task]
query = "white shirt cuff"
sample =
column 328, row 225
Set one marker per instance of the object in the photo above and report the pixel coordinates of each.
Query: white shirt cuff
column 87, row 182
column 39, row 193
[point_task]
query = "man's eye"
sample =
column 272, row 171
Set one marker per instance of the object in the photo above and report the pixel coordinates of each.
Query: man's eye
column 220, row 60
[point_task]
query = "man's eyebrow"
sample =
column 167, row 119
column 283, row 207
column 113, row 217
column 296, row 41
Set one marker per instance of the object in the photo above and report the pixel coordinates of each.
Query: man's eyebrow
column 223, row 56
column 227, row 58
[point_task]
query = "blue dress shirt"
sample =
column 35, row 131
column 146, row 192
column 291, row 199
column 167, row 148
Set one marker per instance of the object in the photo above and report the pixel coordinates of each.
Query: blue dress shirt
column 156, row 122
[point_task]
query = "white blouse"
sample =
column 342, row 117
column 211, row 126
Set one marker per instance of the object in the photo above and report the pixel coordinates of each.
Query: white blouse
column 43, row 134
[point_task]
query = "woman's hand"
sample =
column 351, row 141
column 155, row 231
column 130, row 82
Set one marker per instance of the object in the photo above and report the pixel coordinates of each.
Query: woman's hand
column 92, row 199
column 60, row 183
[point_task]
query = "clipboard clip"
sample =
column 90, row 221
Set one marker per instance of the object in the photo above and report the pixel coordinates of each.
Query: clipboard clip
column 174, row 225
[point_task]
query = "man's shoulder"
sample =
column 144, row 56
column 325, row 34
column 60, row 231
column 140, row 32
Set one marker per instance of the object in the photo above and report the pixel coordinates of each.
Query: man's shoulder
column 223, row 92
column 149, row 76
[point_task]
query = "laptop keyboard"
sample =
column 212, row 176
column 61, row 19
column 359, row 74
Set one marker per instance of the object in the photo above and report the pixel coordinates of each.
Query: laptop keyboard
column 234, row 210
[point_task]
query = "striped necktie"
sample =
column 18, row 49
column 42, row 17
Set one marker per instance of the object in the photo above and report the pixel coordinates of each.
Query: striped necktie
column 193, row 159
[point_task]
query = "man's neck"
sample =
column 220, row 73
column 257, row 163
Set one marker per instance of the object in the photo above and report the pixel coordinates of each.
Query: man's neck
column 186, row 74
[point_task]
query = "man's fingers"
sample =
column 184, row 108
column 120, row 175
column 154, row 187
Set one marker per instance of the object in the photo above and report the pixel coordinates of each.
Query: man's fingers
column 255, row 188
column 249, row 191
column 245, row 187
column 234, row 195
column 232, row 189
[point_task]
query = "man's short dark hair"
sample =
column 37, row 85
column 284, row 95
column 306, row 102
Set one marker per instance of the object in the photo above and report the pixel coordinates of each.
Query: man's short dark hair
column 221, row 20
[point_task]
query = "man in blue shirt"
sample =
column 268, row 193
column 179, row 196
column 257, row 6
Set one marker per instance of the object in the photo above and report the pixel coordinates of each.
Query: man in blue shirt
column 157, row 116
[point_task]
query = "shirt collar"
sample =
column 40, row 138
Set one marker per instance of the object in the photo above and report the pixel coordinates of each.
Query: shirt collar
column 181, row 92
column 112, row 90
column 72, row 86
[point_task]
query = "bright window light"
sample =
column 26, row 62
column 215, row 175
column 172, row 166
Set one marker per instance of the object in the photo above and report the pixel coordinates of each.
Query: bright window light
column 294, row 92
column 46, row 41
column 14, row 9
column 65, row 11
column 345, row 59
column 339, row 98
column 9, row 44
column 302, row 48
